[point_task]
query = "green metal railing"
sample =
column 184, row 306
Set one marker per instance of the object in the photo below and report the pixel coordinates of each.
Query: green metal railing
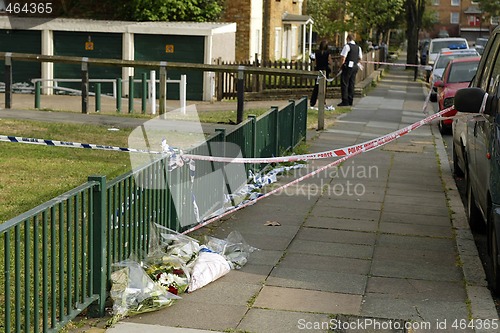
column 57, row 258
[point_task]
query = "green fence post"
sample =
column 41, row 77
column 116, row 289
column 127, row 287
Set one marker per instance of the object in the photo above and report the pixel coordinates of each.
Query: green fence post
column 119, row 95
column 97, row 97
column 99, row 270
column 130, row 94
column 294, row 123
column 276, row 131
column 253, row 138
column 38, row 88
column 144, row 93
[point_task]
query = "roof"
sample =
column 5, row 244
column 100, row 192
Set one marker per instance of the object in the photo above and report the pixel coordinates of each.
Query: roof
column 300, row 19
column 82, row 25
column 473, row 10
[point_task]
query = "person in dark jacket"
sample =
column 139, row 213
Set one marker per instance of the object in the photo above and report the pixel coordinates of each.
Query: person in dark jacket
column 322, row 62
column 350, row 56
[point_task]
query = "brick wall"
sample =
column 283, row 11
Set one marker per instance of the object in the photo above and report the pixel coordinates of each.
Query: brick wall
column 239, row 12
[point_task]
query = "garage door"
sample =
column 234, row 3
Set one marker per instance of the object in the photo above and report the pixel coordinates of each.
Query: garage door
column 188, row 49
column 90, row 45
column 21, row 41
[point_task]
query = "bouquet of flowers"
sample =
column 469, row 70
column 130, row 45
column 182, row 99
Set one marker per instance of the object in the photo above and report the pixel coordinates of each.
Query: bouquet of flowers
column 169, row 272
column 133, row 292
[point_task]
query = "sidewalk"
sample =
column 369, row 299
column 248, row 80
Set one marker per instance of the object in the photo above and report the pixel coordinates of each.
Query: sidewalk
column 381, row 240
column 386, row 242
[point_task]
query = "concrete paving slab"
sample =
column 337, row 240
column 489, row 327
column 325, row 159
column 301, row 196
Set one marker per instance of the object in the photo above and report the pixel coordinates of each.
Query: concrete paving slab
column 277, row 321
column 416, row 270
column 417, row 289
column 417, row 243
column 348, row 202
column 332, row 249
column 317, row 280
column 203, row 316
column 336, row 236
column 403, row 217
column 416, row 229
column 341, row 224
column 346, row 213
column 302, row 300
column 326, row 263
column 422, row 197
column 383, row 306
column 416, row 209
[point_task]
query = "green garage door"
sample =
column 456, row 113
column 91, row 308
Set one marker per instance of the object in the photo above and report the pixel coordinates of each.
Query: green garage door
column 21, row 41
column 90, row 45
column 188, row 49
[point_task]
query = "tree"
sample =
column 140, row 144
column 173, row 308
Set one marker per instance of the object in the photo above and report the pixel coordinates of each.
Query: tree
column 361, row 16
column 377, row 15
column 414, row 15
column 491, row 7
column 328, row 16
column 143, row 10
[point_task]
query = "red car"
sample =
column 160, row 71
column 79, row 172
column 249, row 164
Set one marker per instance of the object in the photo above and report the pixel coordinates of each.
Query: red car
column 457, row 75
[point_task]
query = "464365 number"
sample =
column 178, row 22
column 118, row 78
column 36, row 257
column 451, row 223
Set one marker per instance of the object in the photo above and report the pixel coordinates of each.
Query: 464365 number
column 29, row 8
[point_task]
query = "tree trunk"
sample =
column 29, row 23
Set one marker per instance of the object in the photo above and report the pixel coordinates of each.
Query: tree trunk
column 411, row 32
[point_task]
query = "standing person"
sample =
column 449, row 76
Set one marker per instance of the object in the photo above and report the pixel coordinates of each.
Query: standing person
column 322, row 61
column 350, row 56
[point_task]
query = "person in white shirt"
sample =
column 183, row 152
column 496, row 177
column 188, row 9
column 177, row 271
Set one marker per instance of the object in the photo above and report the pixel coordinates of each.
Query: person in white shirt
column 350, row 56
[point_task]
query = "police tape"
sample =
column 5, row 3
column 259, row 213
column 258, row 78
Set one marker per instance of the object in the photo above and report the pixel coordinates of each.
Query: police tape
column 167, row 150
column 55, row 143
column 394, row 64
column 339, row 152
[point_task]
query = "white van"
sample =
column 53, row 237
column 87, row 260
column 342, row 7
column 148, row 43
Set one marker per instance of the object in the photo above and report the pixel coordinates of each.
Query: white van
column 452, row 43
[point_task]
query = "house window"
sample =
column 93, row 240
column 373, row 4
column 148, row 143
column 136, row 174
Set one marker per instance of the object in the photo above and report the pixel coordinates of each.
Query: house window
column 454, row 18
column 435, row 2
column 455, row 2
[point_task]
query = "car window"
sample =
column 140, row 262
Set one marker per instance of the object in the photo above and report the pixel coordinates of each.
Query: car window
column 484, row 80
column 449, row 44
column 462, row 71
column 444, row 59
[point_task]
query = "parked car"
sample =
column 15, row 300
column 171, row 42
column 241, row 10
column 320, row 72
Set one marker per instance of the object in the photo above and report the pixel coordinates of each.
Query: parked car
column 443, row 58
column 457, row 75
column 482, row 150
column 480, row 44
column 437, row 44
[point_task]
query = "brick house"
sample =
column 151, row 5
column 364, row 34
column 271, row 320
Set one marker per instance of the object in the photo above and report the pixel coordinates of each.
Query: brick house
column 461, row 18
column 269, row 29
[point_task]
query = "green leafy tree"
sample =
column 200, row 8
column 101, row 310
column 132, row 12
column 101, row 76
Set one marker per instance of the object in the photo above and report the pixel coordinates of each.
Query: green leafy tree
column 378, row 16
column 491, row 7
column 328, row 16
column 143, row 10
column 361, row 16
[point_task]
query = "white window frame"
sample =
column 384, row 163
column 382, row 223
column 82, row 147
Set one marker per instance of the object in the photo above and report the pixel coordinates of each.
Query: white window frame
column 455, row 2
column 457, row 16
column 435, row 2
column 278, row 37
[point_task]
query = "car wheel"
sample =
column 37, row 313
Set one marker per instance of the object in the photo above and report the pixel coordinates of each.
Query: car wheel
column 456, row 168
column 493, row 251
column 473, row 214
column 442, row 128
